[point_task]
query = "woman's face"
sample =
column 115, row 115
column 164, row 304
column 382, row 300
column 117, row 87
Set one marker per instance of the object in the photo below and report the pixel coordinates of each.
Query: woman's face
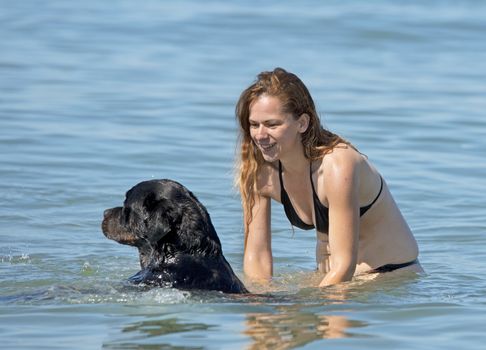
column 275, row 133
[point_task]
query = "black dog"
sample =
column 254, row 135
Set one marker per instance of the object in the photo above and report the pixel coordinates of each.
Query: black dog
column 176, row 240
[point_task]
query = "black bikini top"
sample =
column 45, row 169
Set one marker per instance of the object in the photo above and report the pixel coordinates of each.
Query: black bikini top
column 321, row 211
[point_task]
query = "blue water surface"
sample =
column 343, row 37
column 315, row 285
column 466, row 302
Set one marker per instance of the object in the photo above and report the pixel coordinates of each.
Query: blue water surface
column 96, row 96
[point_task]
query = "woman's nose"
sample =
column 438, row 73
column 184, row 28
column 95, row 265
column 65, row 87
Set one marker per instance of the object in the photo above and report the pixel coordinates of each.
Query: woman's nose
column 261, row 132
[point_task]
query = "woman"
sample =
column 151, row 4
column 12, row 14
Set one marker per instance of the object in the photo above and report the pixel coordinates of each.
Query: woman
column 322, row 181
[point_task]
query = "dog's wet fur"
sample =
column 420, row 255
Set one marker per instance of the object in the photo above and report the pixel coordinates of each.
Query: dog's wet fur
column 177, row 243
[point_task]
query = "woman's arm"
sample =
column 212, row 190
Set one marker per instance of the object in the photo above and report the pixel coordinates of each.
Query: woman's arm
column 257, row 260
column 342, row 190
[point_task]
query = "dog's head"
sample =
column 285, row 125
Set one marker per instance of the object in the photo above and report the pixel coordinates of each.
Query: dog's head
column 162, row 218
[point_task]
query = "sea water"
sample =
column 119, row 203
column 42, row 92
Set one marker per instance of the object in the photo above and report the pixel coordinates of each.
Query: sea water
column 96, row 96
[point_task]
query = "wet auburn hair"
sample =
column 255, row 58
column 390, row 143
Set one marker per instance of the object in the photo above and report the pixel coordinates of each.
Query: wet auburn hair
column 296, row 100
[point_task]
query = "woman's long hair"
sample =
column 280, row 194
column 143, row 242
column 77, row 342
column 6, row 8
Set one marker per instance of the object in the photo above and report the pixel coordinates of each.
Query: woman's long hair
column 296, row 100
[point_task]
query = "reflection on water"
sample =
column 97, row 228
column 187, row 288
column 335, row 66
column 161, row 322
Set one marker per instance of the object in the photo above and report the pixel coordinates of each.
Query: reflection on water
column 296, row 325
column 310, row 315
column 283, row 326
column 279, row 320
column 145, row 334
column 154, row 328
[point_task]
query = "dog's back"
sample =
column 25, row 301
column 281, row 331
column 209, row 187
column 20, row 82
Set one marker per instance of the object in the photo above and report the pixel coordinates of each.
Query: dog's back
column 187, row 272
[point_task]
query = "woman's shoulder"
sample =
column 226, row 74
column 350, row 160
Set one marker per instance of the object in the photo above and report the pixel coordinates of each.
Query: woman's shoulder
column 339, row 171
column 344, row 170
column 343, row 158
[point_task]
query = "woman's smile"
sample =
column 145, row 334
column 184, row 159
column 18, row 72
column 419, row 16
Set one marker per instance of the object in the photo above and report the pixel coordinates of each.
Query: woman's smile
column 267, row 147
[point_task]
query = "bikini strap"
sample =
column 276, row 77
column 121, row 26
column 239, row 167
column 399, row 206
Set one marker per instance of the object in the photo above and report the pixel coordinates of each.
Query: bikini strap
column 280, row 175
column 312, row 182
column 364, row 209
column 379, row 192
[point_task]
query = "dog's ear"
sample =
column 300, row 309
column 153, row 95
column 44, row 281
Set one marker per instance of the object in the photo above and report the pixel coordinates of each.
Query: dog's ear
column 162, row 206
column 150, row 203
column 163, row 216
